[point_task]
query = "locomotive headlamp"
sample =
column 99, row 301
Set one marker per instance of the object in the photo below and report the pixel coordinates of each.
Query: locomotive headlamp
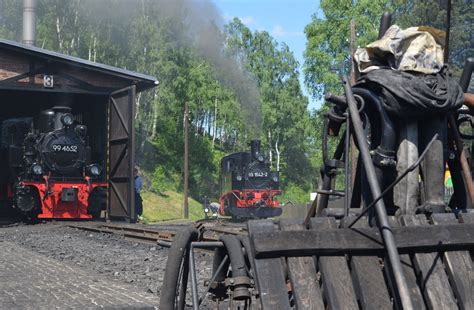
column 238, row 178
column 67, row 119
column 260, row 158
column 81, row 130
column 275, row 179
column 37, row 169
column 94, row 170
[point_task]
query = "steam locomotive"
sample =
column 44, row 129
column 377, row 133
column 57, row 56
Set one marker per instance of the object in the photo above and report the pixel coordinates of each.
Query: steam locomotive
column 248, row 185
column 49, row 171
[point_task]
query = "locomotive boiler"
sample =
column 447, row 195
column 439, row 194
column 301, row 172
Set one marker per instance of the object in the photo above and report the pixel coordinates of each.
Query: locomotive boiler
column 50, row 171
column 248, row 185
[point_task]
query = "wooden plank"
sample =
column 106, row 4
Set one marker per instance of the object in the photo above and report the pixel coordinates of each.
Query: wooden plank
column 269, row 272
column 302, row 272
column 368, row 278
column 459, row 267
column 335, row 275
column 363, row 241
column 467, row 218
column 433, row 279
column 410, row 276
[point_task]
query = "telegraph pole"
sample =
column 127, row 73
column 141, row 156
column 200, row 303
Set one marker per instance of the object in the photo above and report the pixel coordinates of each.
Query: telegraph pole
column 186, row 168
column 448, row 30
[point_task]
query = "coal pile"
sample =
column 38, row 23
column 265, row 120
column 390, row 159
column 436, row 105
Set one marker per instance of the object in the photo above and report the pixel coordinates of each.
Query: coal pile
column 137, row 264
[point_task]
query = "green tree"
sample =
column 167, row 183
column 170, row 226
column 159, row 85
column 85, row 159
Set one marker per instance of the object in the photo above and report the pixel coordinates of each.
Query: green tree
column 285, row 116
column 327, row 54
column 433, row 13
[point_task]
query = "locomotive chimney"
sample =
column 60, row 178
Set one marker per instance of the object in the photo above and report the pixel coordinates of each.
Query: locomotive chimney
column 29, row 21
column 255, row 148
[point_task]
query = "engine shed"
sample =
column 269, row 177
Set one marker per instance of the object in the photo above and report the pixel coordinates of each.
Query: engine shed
column 102, row 97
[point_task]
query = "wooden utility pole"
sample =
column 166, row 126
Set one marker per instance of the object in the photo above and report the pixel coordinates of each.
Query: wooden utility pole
column 354, row 77
column 186, row 168
column 448, row 30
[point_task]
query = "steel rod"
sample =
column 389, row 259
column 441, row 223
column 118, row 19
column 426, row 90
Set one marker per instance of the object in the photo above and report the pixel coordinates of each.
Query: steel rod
column 192, row 270
column 346, row 166
column 224, row 261
column 208, row 244
column 383, row 224
column 330, row 192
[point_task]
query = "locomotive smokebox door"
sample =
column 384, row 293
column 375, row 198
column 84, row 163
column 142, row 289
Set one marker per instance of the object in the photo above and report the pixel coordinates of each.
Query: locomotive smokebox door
column 69, row 194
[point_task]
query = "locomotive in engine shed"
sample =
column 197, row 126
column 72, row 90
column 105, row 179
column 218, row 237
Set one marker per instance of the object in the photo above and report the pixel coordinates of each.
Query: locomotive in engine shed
column 67, row 136
column 51, row 174
column 248, row 185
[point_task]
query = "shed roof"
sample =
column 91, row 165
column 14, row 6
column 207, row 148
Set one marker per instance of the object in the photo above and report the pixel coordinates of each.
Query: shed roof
column 142, row 81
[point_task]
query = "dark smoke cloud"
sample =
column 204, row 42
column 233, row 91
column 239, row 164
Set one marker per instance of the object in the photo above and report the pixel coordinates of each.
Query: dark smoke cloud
column 198, row 24
column 204, row 29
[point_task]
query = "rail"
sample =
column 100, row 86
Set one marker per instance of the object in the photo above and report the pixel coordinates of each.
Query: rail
column 155, row 235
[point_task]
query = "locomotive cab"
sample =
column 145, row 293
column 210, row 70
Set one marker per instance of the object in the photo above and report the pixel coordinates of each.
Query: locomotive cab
column 248, row 186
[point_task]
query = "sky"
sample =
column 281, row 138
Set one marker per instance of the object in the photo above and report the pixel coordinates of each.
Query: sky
column 285, row 20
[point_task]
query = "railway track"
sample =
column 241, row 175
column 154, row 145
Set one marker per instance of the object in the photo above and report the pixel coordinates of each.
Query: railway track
column 155, row 236
column 162, row 236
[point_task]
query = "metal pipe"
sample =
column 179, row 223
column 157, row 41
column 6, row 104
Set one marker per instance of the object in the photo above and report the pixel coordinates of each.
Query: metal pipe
column 29, row 21
column 385, row 22
column 192, row 270
column 346, row 166
column 208, row 244
column 466, row 74
column 384, row 226
column 237, row 261
column 323, row 199
column 388, row 134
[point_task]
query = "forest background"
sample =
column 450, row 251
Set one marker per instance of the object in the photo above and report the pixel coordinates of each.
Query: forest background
column 239, row 84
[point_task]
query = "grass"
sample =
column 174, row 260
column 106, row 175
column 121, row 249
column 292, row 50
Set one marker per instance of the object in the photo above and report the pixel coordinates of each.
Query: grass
column 168, row 206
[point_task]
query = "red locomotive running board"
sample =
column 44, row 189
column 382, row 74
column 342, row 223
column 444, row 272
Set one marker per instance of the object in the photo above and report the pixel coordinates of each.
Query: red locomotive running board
column 52, row 204
column 251, row 198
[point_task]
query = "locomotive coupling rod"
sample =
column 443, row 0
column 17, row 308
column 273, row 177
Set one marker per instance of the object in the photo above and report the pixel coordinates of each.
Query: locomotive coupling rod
column 384, row 226
column 410, row 169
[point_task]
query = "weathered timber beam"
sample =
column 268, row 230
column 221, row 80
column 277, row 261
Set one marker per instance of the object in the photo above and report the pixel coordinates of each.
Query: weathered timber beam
column 18, row 77
column 362, row 241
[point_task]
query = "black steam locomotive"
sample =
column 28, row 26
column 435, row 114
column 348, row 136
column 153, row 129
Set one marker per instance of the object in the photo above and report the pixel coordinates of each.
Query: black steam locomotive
column 50, row 173
column 248, row 185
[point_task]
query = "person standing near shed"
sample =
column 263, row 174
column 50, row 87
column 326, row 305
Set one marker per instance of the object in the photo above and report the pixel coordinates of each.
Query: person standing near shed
column 138, row 198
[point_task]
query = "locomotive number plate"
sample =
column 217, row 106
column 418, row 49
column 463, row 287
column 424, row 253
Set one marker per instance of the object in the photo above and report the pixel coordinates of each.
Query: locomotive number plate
column 258, row 174
column 64, row 148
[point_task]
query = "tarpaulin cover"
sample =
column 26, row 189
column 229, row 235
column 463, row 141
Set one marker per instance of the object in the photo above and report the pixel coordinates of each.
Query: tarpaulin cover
column 406, row 69
column 418, row 49
column 414, row 97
